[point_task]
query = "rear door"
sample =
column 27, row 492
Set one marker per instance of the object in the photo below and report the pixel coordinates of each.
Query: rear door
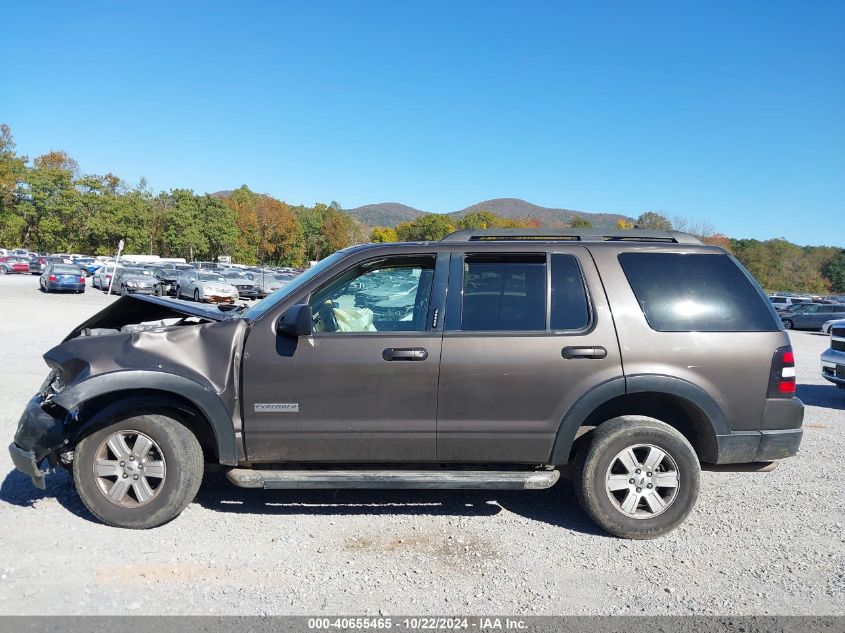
column 526, row 334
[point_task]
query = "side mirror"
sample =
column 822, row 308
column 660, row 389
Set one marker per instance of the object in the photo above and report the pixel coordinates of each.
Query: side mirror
column 297, row 321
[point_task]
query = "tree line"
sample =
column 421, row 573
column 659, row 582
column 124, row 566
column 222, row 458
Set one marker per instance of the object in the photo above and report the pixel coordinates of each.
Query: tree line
column 48, row 205
column 777, row 263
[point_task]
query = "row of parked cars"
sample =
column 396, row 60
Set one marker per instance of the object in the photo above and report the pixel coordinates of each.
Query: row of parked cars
column 809, row 313
column 201, row 281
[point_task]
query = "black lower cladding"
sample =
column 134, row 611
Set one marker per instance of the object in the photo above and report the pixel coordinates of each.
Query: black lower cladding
column 38, row 430
column 757, row 446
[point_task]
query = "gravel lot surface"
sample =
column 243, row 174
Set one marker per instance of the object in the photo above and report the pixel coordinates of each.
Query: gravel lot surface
column 757, row 543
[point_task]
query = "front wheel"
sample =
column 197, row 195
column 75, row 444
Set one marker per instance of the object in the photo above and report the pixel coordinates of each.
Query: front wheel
column 196, row 295
column 138, row 473
column 788, row 324
column 3, row 271
column 638, row 478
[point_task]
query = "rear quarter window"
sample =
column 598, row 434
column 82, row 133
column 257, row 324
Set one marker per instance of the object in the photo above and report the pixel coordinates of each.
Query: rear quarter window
column 680, row 292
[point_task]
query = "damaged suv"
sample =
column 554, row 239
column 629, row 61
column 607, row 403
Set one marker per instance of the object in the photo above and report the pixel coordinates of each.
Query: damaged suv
column 491, row 359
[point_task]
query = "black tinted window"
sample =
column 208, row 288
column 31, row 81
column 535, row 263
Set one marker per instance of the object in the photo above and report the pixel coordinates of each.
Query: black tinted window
column 504, row 293
column 570, row 310
column 696, row 293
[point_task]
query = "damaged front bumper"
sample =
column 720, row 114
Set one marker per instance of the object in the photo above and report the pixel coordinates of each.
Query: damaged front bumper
column 39, row 437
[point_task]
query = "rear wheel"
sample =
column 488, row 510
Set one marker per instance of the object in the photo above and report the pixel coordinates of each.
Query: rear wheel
column 637, row 477
column 197, row 295
column 788, row 324
column 138, row 473
column 3, row 271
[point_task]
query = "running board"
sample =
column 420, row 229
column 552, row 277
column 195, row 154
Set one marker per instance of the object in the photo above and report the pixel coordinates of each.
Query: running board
column 409, row 479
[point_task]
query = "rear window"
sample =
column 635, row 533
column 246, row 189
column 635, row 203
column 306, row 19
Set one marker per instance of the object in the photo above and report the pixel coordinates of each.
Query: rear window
column 696, row 293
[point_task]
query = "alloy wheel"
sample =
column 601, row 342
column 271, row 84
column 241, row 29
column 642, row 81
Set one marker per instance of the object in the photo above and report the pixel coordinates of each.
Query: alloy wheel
column 642, row 481
column 129, row 468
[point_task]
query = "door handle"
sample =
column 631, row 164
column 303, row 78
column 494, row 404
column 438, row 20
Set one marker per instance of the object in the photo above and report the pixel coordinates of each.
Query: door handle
column 404, row 353
column 584, row 352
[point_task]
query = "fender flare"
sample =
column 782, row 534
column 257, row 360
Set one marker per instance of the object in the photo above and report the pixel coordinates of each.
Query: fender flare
column 206, row 400
column 579, row 412
column 637, row 383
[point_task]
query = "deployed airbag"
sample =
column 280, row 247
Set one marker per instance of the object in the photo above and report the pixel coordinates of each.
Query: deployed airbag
column 354, row 320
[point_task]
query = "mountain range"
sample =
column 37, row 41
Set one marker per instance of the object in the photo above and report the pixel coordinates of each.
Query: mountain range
column 392, row 213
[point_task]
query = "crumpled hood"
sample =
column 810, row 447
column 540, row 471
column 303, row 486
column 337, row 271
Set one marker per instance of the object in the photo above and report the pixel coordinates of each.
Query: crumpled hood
column 139, row 308
column 206, row 352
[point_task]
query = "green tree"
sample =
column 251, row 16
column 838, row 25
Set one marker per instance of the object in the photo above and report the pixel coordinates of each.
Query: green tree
column 430, row 227
column 653, row 220
column 581, row 223
column 835, row 272
column 480, row 220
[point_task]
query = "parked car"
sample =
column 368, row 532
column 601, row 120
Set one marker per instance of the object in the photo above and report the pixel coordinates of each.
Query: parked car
column 135, row 280
column 13, row 264
column 812, row 317
column 101, row 278
column 782, row 302
column 206, row 286
column 167, row 278
column 37, row 265
column 833, row 359
column 265, row 280
column 87, row 264
column 522, row 354
column 246, row 288
column 829, row 324
column 59, row 277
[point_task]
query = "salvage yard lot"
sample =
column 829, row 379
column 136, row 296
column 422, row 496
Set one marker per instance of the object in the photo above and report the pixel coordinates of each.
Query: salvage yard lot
column 757, row 543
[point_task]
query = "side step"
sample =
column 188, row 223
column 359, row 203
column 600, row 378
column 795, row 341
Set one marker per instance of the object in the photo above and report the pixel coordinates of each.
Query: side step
column 443, row 479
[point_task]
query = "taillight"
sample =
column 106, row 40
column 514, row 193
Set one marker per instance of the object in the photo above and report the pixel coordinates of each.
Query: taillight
column 782, row 374
column 52, row 278
column 82, row 279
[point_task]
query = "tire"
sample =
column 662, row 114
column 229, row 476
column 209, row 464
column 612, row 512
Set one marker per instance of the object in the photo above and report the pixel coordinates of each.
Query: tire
column 197, row 295
column 123, row 291
column 3, row 271
column 788, row 324
column 598, row 460
column 158, row 291
column 175, row 451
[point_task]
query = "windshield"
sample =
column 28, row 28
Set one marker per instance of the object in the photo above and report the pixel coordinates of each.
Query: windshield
column 211, row 277
column 69, row 270
column 134, row 272
column 258, row 310
column 236, row 276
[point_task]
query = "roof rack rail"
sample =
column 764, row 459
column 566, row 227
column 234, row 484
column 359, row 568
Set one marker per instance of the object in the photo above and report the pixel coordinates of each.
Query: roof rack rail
column 570, row 235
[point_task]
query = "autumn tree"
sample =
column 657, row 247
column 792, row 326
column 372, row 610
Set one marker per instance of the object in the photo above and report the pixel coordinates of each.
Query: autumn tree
column 624, row 225
column 381, row 234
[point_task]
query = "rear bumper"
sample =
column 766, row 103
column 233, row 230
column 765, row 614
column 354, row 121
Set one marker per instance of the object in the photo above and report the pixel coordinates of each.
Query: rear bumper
column 55, row 285
column 779, row 435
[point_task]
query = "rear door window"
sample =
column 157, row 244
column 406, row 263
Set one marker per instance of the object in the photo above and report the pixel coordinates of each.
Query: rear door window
column 504, row 293
column 680, row 292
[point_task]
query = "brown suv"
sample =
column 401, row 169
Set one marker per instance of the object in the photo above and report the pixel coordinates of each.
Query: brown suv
column 491, row 359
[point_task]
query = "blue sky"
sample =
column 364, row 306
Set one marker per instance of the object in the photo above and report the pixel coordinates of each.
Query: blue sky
column 730, row 112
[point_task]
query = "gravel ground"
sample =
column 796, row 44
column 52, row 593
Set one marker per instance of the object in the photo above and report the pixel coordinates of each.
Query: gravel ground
column 757, row 543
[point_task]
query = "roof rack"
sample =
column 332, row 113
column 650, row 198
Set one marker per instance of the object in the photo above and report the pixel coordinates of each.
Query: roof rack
column 570, row 235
